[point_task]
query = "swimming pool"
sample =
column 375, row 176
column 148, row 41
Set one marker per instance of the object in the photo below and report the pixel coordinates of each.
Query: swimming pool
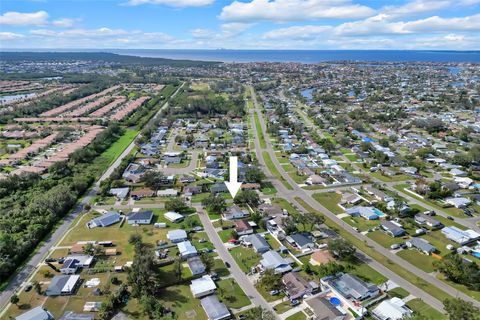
column 476, row 254
column 378, row 212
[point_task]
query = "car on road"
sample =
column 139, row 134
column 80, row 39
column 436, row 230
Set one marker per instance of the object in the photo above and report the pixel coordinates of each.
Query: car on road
column 450, row 218
column 227, row 264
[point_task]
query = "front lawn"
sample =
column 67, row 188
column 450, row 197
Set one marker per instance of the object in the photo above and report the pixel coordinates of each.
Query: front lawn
column 329, row 200
column 231, row 294
column 246, row 258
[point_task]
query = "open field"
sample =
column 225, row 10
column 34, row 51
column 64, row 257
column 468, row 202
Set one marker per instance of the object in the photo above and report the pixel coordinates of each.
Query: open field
column 273, row 169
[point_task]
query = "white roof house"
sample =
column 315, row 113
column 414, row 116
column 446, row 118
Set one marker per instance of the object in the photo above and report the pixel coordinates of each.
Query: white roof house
column 273, row 260
column 393, row 309
column 458, row 202
column 186, row 249
column 202, row 286
column 460, row 236
column 177, row 235
column 167, row 193
column 173, row 216
column 214, row 309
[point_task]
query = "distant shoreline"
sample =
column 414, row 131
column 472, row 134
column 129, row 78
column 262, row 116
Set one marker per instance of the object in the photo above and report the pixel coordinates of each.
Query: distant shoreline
column 298, row 56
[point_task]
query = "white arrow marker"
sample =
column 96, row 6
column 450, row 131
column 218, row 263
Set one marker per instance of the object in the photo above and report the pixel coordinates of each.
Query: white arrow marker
column 233, row 186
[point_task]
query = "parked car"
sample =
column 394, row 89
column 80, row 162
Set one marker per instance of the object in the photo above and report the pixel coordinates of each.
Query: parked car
column 202, row 240
column 295, row 302
column 395, row 246
column 227, row 264
column 450, row 218
column 50, row 260
column 28, row 287
column 197, row 229
column 274, row 292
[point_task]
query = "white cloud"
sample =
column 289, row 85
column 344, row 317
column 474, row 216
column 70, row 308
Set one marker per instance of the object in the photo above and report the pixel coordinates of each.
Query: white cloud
column 293, row 10
column 201, row 33
column 296, row 32
column 380, row 24
column 64, row 22
column 13, row 18
column 10, row 36
column 416, row 7
column 172, row 3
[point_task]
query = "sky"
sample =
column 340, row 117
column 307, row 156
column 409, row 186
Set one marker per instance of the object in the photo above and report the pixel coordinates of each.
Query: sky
column 240, row 24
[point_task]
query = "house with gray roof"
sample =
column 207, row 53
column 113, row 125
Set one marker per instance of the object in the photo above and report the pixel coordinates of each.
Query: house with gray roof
column 104, row 220
column 259, row 244
column 392, row 228
column 37, row 313
column 177, row 235
column 196, row 265
column 421, row 244
column 350, row 287
column 423, row 219
column 140, row 217
column 214, row 309
column 273, row 260
column 302, row 241
column 70, row 315
column 119, row 193
column 63, row 285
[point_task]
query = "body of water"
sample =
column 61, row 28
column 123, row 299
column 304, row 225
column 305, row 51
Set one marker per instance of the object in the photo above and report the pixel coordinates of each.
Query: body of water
column 305, row 56
column 14, row 97
column 307, row 94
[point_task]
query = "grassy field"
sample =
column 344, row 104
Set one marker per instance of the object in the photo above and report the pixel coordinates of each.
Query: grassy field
column 399, row 293
column 297, row 316
column 273, row 169
column 231, row 294
column 112, row 153
column 329, row 200
column 418, row 259
column 383, row 238
column 246, row 258
column 412, row 278
column 261, row 137
column 424, row 309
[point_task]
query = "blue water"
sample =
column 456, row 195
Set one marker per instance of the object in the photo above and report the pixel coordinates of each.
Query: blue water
column 476, row 254
column 306, row 56
column 378, row 212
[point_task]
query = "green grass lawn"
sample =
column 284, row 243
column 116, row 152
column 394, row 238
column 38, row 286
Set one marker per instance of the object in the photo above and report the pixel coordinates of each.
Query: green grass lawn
column 231, row 294
column 246, row 258
column 398, row 292
column 329, row 200
column 414, row 279
column 258, row 126
column 225, row 235
column 398, row 177
column 367, row 273
column 179, row 299
column 266, row 294
column 361, row 223
column 297, row 316
column 424, row 309
column 112, row 153
column 284, row 204
column 273, row 169
column 383, row 238
column 418, row 259
column 283, row 307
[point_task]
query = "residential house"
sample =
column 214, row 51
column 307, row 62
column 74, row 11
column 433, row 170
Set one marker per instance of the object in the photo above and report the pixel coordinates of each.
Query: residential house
column 315, row 179
column 421, row 245
column 186, row 249
column 460, row 236
column 273, row 260
column 37, row 313
column 392, row 228
column 458, row 202
column 197, row 267
column 174, row 217
column 303, row 241
column 392, row 309
column 234, row 212
column 119, row 193
column 133, row 173
column 259, row 244
column 176, row 236
column 189, row 191
column 218, row 188
column 215, row 309
column 167, row 193
column 104, row 220
column 350, row 198
column 243, row 227
column 203, row 286
column 63, row 285
column 365, row 212
column 423, row 219
column 70, row 315
column 323, row 309
column 351, row 287
column 296, row 287
column 140, row 217
column 142, row 193
column 321, row 257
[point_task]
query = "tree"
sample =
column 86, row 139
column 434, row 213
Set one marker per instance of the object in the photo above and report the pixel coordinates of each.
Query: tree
column 143, row 275
column 14, row 299
column 214, row 203
column 151, row 307
column 178, row 269
column 37, row 287
column 458, row 309
column 270, row 280
column 249, row 197
column 153, row 179
column 208, row 261
column 253, row 174
column 259, row 313
column 342, row 249
column 176, row 205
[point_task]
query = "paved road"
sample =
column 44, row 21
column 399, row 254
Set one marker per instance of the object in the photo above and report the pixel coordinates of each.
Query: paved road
column 188, row 169
column 18, row 281
column 235, row 270
column 299, row 192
